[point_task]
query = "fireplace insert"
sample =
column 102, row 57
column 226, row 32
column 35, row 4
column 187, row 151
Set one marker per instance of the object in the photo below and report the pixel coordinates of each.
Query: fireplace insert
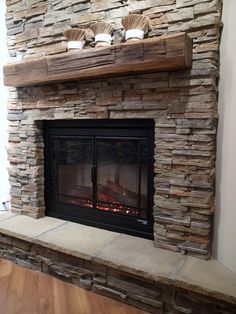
column 100, row 173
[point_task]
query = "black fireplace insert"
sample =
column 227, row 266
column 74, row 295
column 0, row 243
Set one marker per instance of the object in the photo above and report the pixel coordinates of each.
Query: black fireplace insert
column 100, row 173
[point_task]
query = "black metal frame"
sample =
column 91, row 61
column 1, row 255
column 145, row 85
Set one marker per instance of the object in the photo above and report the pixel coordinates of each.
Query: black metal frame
column 138, row 128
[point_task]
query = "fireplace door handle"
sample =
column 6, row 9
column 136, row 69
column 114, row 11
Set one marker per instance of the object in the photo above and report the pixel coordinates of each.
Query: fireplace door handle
column 94, row 173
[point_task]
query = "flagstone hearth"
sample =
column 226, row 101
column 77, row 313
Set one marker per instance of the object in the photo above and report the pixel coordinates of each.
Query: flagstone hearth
column 124, row 267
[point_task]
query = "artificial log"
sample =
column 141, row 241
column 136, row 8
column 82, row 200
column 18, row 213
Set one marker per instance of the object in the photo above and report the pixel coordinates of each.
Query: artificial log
column 165, row 53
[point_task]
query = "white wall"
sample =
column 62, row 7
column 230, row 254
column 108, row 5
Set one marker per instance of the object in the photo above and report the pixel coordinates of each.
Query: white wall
column 225, row 216
column 4, row 186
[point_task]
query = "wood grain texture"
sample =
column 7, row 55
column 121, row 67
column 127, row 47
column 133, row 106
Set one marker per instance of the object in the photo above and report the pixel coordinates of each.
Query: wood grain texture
column 23, row 291
column 165, row 53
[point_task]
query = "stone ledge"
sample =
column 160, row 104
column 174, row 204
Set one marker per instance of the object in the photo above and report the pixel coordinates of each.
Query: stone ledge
column 127, row 255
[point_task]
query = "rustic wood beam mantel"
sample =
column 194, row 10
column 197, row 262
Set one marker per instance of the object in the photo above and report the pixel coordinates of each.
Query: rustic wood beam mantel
column 164, row 53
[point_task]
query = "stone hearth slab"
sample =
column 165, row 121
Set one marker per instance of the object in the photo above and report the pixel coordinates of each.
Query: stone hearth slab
column 131, row 255
column 140, row 255
column 27, row 226
column 208, row 277
column 79, row 238
column 5, row 215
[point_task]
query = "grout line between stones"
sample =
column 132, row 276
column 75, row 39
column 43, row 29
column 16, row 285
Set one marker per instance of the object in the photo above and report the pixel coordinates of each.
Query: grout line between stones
column 45, row 232
column 101, row 249
column 178, row 269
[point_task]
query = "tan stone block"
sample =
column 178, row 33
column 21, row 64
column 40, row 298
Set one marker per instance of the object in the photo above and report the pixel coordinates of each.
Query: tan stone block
column 158, row 20
column 61, row 5
column 181, row 15
column 176, row 236
column 159, row 9
column 14, row 105
column 160, row 229
column 31, row 3
column 83, row 6
column 28, row 105
column 132, row 95
column 27, row 35
column 208, row 7
column 105, row 5
column 147, row 4
column 106, row 101
column 46, row 31
column 178, row 192
column 178, row 228
column 199, row 240
column 199, row 231
column 53, row 48
column 45, row 103
column 52, row 17
column 87, row 19
column 205, row 47
column 10, row 2
column 96, row 109
column 18, row 16
column 212, row 19
column 29, row 13
column 16, row 200
column 117, row 13
column 201, row 225
column 187, row 3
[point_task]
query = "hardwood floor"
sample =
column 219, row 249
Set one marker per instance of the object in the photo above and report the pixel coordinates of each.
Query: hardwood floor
column 23, row 291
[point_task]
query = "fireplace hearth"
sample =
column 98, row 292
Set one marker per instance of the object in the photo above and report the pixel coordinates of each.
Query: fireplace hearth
column 100, row 173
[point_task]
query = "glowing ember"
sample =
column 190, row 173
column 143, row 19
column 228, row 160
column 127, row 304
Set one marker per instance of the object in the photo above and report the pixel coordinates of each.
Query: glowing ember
column 104, row 203
column 108, row 203
column 110, row 198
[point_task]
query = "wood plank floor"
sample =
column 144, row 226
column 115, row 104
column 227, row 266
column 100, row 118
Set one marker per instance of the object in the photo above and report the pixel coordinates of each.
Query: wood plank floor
column 23, row 291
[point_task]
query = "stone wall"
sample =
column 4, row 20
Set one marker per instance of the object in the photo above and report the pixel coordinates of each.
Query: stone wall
column 183, row 105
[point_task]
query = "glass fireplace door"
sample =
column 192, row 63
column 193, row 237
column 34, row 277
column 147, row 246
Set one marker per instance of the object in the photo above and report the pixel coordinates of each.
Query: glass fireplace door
column 72, row 172
column 122, row 176
column 100, row 176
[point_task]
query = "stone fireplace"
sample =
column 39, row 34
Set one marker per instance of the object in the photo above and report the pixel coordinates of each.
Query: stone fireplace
column 181, row 106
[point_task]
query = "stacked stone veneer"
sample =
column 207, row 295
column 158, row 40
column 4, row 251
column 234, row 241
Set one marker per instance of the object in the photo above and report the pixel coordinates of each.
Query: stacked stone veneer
column 183, row 105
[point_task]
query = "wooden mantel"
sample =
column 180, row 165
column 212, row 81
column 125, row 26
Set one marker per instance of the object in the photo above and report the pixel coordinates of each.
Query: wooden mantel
column 164, row 53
